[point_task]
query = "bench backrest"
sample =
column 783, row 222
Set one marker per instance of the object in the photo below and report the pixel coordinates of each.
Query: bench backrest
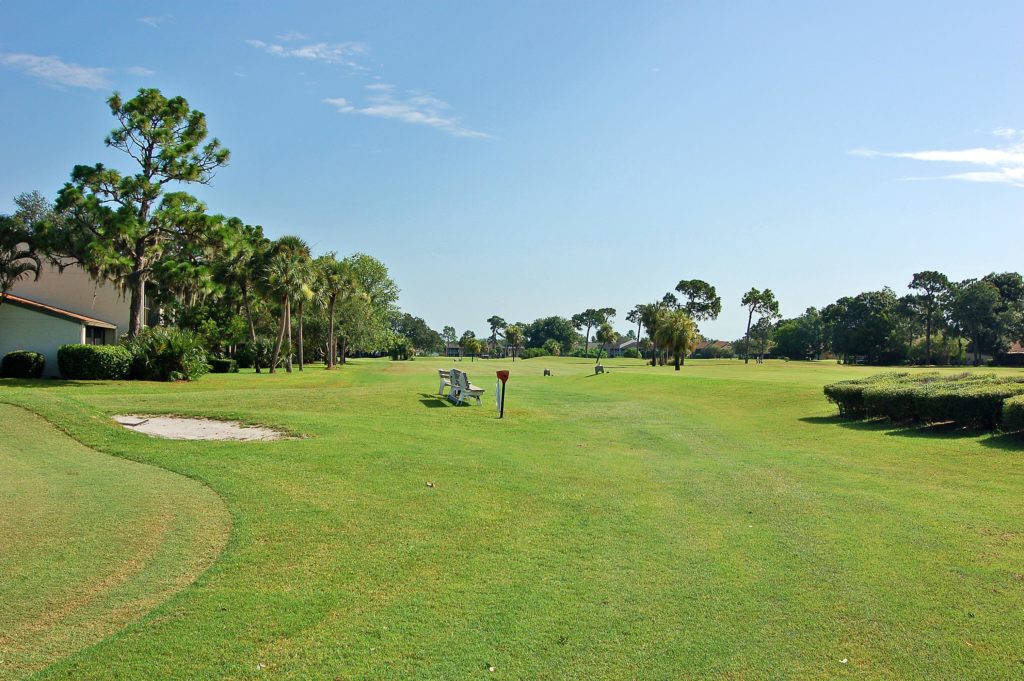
column 463, row 380
column 453, row 376
column 442, row 373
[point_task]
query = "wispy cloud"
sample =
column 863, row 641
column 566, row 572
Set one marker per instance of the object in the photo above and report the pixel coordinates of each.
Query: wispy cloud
column 292, row 36
column 411, row 107
column 330, row 53
column 140, row 71
column 56, row 71
column 156, row 21
column 1001, row 164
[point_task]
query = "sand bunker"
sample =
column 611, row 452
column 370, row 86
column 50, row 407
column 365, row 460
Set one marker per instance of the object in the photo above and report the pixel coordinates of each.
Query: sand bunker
column 180, row 428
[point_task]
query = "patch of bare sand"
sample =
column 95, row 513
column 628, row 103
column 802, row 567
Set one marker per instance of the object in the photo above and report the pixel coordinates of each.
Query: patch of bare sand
column 181, row 428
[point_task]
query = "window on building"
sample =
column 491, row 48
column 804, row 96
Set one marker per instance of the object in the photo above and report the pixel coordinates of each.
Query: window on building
column 94, row 335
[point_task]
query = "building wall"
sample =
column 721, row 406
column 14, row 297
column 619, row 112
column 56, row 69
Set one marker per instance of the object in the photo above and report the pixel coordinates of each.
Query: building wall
column 22, row 329
column 74, row 291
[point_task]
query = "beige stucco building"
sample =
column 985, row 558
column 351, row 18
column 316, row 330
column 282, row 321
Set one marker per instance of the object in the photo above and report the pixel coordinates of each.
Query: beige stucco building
column 58, row 309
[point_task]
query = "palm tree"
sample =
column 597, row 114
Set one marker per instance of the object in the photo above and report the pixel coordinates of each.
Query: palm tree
column 650, row 315
column 338, row 283
column 514, row 338
column 285, row 277
column 18, row 257
column 237, row 264
column 677, row 333
column 605, row 335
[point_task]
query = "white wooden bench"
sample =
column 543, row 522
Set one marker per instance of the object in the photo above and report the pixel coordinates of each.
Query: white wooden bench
column 461, row 388
column 446, row 381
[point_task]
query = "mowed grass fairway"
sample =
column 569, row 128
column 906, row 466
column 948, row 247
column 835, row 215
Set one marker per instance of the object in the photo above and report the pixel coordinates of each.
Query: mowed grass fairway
column 714, row 522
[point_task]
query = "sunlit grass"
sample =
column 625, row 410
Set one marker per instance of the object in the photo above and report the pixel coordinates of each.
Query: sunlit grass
column 718, row 521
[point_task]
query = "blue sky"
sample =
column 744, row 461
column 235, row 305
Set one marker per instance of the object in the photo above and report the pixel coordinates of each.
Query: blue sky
column 535, row 158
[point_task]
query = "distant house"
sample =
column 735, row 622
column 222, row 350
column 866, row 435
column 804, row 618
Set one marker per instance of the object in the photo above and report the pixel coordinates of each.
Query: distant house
column 451, row 350
column 1013, row 357
column 619, row 349
column 58, row 309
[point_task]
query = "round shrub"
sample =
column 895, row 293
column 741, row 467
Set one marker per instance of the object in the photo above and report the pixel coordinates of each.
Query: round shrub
column 22, row 364
column 223, row 366
column 94, row 362
column 161, row 353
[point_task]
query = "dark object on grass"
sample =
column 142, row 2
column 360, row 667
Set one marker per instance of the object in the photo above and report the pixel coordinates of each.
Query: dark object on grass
column 22, row 364
column 223, row 366
column 547, row 372
column 599, row 369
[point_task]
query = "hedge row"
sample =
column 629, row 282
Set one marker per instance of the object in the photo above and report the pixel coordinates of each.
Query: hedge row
column 94, row 362
column 22, row 364
column 1013, row 414
column 973, row 400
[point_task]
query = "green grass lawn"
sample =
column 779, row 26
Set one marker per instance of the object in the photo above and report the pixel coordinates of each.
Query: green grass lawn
column 715, row 522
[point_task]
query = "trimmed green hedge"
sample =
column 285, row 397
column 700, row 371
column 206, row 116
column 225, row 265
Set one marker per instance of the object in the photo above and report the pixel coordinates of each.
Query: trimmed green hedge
column 223, row 366
column 1013, row 414
column 22, row 364
column 974, row 400
column 94, row 362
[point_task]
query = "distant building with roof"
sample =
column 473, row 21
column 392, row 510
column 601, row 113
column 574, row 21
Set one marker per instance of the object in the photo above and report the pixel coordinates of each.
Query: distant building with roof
column 61, row 308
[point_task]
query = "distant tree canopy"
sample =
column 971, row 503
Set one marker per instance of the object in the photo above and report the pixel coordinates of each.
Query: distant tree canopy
column 417, row 332
column 589, row 319
column 559, row 329
column 21, row 254
column 702, row 301
column 762, row 304
column 802, row 337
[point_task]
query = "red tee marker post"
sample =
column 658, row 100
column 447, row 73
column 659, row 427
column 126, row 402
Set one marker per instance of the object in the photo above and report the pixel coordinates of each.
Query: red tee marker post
column 500, row 392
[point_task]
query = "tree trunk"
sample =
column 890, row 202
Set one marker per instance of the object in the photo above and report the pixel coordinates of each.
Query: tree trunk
column 331, row 340
column 252, row 327
column 138, row 294
column 928, row 340
column 280, row 334
column 301, row 349
column 746, row 345
column 977, row 353
column 344, row 349
column 677, row 362
column 288, row 333
column 586, row 343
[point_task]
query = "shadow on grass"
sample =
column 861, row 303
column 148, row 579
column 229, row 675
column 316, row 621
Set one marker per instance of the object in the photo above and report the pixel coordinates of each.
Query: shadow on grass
column 945, row 431
column 432, row 401
column 48, row 383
